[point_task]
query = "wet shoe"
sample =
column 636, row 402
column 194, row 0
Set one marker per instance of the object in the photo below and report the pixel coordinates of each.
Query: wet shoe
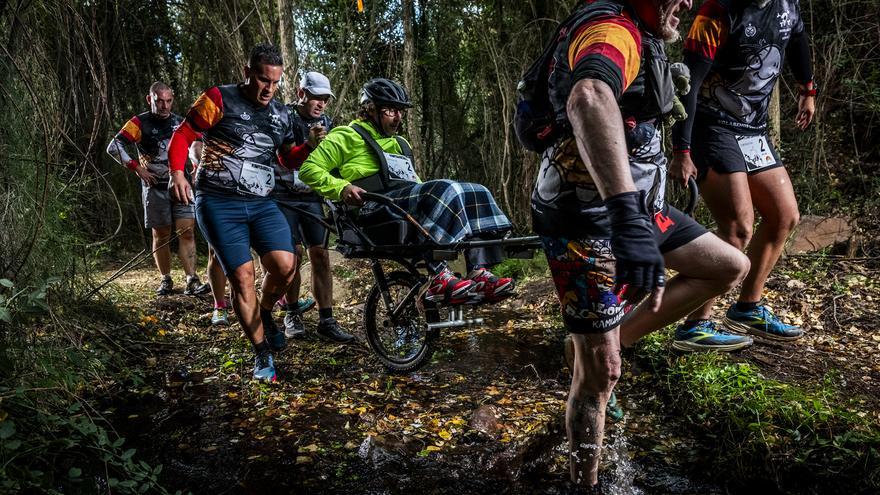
column 703, row 336
column 264, row 367
column 274, row 336
column 293, row 325
column 329, row 329
column 761, row 322
column 305, row 304
column 489, row 287
column 613, row 411
column 166, row 286
column 220, row 317
column 195, row 287
column 447, row 288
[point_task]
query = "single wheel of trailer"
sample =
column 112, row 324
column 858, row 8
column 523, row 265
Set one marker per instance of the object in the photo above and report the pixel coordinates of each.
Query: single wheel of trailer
column 396, row 329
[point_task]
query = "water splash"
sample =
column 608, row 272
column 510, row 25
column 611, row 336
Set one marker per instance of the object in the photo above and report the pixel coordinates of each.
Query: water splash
column 620, row 471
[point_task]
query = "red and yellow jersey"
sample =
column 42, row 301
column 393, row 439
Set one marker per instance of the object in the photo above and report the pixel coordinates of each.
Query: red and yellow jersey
column 238, row 135
column 150, row 135
column 608, row 49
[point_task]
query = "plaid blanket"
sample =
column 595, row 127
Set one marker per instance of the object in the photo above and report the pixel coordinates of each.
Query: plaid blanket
column 449, row 210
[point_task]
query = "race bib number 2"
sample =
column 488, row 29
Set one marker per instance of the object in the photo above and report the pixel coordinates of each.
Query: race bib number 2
column 256, row 179
column 756, row 152
column 401, row 167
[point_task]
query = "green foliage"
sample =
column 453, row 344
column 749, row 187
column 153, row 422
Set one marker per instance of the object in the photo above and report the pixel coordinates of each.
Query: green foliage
column 522, row 269
column 769, row 429
column 52, row 437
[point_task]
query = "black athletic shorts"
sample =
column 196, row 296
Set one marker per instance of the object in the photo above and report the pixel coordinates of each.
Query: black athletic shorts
column 305, row 230
column 583, row 271
column 726, row 152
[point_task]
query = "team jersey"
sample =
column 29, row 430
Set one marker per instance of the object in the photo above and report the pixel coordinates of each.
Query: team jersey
column 609, row 49
column 745, row 45
column 288, row 184
column 150, row 136
column 241, row 139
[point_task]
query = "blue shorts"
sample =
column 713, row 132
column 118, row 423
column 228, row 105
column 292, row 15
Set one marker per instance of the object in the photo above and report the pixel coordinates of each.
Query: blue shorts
column 305, row 229
column 232, row 226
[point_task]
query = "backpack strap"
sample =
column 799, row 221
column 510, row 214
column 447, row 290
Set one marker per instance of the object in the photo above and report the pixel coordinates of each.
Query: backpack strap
column 380, row 155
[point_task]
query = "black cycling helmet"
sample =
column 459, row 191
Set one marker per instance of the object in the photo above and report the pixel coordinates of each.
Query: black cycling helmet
column 385, row 93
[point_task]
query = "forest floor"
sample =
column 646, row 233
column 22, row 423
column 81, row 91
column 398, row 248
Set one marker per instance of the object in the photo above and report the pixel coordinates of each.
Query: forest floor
column 486, row 412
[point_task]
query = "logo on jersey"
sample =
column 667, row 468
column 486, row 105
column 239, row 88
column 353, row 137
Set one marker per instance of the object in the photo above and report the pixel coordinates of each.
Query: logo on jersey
column 245, row 116
column 751, row 30
column 785, row 20
column 275, row 119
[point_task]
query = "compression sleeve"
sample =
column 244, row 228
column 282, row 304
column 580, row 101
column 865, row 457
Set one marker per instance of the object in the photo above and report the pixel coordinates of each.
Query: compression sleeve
column 129, row 134
column 798, row 54
column 608, row 50
column 297, row 155
column 117, row 150
column 681, row 131
column 178, row 148
column 706, row 36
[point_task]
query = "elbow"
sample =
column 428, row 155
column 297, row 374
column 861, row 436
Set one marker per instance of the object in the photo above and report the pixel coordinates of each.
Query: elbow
column 588, row 96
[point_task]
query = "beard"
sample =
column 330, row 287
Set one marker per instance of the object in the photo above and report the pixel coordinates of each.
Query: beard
column 667, row 32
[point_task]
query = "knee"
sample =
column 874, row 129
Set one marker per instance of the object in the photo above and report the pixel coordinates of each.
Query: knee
column 598, row 375
column 162, row 234
column 187, row 236
column 736, row 270
column 738, row 234
column 788, row 221
column 320, row 258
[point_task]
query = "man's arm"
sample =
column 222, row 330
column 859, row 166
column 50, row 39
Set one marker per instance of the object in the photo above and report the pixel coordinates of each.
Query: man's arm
column 798, row 54
column 329, row 156
column 130, row 134
column 707, row 35
column 203, row 115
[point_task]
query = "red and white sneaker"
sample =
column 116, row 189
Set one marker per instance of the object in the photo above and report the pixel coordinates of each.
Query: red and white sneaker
column 446, row 288
column 489, row 287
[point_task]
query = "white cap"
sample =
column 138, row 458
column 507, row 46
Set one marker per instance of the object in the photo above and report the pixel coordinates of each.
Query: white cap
column 316, row 84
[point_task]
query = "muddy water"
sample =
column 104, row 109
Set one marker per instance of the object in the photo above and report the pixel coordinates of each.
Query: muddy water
column 506, row 381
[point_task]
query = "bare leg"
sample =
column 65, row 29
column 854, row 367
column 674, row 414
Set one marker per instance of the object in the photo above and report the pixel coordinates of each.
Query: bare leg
column 774, row 198
column 186, row 244
column 244, row 302
column 292, row 293
column 280, row 267
column 218, row 279
column 706, row 266
column 322, row 276
column 162, row 255
column 729, row 200
column 596, row 371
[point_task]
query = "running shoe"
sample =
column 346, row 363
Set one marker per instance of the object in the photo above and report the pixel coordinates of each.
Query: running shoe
column 264, row 367
column 305, row 304
column 195, row 287
column 293, row 324
column 489, row 287
column 274, row 336
column 445, row 287
column 329, row 329
column 220, row 317
column 761, row 322
column 166, row 286
column 703, row 336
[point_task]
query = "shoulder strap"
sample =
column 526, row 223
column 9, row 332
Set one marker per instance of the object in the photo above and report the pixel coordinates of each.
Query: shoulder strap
column 405, row 148
column 377, row 150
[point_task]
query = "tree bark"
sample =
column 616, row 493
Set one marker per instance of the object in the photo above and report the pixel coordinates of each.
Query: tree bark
column 413, row 121
column 288, row 48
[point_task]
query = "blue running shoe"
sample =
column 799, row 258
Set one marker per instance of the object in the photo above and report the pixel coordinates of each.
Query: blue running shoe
column 704, row 337
column 264, row 367
column 274, row 336
column 305, row 303
column 761, row 322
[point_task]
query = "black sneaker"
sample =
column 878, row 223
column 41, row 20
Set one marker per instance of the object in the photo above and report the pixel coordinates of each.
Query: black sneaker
column 195, row 287
column 274, row 336
column 166, row 286
column 330, row 330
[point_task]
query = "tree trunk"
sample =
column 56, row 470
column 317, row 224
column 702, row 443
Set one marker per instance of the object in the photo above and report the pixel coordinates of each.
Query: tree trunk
column 288, row 48
column 775, row 118
column 409, row 81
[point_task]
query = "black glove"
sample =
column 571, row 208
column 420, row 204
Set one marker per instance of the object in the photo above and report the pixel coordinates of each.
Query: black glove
column 639, row 263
